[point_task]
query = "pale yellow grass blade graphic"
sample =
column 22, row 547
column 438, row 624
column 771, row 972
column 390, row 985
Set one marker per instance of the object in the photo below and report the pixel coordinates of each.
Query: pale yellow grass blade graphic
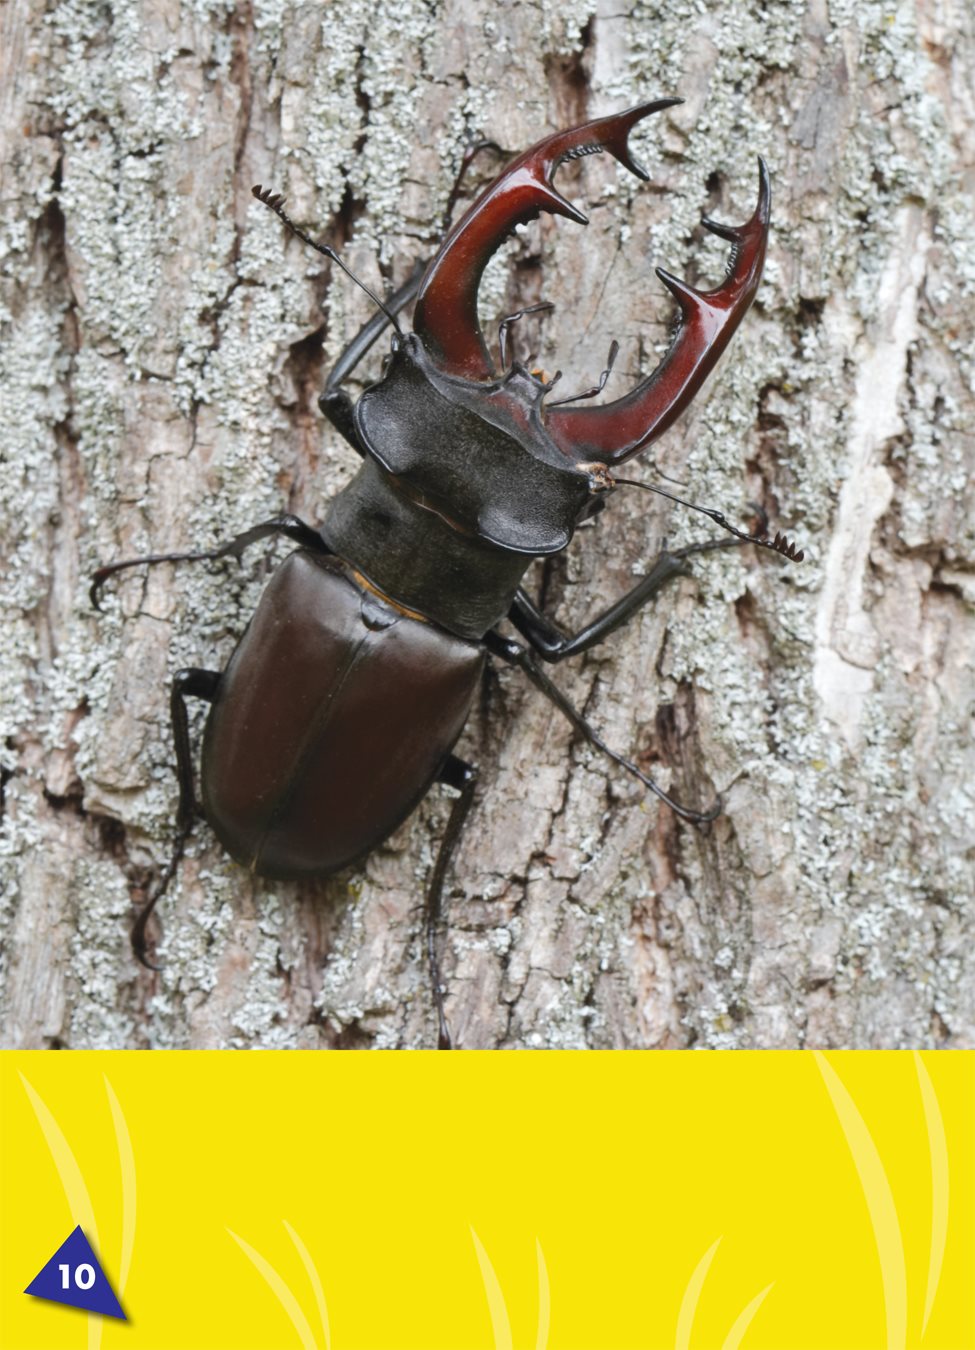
column 495, row 1298
column 281, row 1291
column 79, row 1201
column 126, row 1160
column 316, row 1283
column 880, row 1204
column 544, row 1300
column 744, row 1320
column 938, row 1149
column 688, row 1306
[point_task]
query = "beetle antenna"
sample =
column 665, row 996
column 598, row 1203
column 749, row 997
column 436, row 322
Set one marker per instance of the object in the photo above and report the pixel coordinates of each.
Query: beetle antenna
column 275, row 201
column 780, row 544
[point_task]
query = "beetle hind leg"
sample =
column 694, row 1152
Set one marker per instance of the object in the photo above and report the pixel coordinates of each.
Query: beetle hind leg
column 517, row 655
column 462, row 777
column 189, row 683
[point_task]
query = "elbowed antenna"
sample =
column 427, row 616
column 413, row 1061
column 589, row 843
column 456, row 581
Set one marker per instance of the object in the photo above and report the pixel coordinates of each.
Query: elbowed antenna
column 780, row 544
column 275, row 201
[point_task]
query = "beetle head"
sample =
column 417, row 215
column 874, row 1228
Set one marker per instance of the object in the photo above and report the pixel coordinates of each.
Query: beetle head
column 475, row 451
column 481, row 447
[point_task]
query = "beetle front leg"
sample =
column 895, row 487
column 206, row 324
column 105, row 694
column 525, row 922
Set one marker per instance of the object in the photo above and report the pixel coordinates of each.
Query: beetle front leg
column 189, row 683
column 291, row 526
column 463, row 777
column 548, row 640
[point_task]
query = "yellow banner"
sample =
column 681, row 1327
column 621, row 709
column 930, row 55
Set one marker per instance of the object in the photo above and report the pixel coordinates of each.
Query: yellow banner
column 763, row 1200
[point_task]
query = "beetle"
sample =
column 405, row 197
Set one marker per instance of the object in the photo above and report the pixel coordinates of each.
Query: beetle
column 344, row 698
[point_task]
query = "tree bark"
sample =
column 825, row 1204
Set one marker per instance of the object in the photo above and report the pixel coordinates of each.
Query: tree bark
column 164, row 345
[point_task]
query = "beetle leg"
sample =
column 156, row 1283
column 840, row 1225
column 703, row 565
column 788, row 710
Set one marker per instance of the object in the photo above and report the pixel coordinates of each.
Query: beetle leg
column 614, row 351
column 456, row 774
column 189, row 683
column 505, row 324
column 517, row 655
column 334, row 401
column 548, row 640
column 286, row 524
column 471, row 153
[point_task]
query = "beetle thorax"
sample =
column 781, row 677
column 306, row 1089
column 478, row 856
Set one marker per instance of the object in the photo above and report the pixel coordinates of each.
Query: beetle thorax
column 477, row 452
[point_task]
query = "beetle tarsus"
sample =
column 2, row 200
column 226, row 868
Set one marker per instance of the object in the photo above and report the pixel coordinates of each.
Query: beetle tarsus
column 505, row 324
column 463, row 778
column 599, row 386
column 471, row 152
column 137, row 936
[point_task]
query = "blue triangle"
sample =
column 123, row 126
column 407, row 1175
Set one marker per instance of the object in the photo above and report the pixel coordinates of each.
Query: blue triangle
column 73, row 1276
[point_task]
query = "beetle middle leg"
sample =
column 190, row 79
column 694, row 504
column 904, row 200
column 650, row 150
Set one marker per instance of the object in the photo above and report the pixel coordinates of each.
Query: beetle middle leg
column 548, row 641
column 189, row 683
column 463, row 777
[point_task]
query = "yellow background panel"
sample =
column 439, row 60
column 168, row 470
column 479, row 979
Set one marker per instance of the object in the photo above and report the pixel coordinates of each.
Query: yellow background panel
column 666, row 1194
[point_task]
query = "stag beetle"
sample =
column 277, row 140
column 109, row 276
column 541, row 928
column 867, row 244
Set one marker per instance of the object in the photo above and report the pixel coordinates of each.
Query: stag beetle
column 344, row 698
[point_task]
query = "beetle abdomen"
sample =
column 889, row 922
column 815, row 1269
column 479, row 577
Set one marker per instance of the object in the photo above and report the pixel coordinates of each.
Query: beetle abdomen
column 332, row 719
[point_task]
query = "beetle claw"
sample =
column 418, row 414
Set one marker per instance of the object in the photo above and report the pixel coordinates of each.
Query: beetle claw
column 446, row 308
column 143, row 960
column 708, row 319
column 730, row 232
column 95, row 589
column 137, row 937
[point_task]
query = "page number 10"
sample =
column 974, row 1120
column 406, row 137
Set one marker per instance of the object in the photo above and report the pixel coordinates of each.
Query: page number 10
column 84, row 1276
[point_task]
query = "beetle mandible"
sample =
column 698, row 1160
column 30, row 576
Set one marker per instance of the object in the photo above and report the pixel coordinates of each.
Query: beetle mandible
column 469, row 473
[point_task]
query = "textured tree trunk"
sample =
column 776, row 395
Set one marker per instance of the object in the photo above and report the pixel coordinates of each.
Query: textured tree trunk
column 164, row 344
